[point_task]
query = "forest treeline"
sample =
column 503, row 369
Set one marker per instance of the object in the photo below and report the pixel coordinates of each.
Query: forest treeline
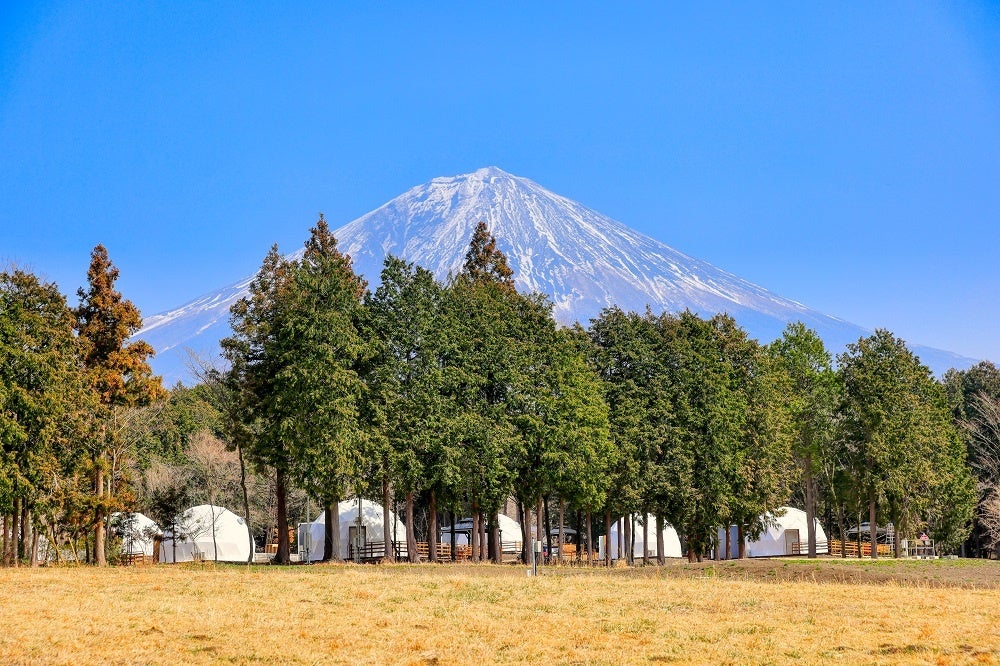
column 460, row 396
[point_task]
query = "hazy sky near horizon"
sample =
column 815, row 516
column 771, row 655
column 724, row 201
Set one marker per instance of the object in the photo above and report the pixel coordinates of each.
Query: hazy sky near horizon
column 845, row 156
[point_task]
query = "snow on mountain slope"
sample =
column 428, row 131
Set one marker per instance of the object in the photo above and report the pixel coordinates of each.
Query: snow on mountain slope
column 583, row 260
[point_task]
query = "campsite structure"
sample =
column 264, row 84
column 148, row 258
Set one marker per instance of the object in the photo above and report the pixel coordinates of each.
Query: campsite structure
column 511, row 538
column 365, row 537
column 786, row 534
column 138, row 535
column 207, row 532
column 642, row 525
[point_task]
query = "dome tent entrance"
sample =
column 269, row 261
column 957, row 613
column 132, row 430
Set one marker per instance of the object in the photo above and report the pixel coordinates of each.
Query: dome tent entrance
column 786, row 534
column 210, row 533
column 311, row 535
column 671, row 542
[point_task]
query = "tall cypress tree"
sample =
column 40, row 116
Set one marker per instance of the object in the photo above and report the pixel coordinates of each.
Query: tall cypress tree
column 294, row 351
column 811, row 402
column 319, row 380
column 117, row 370
column 906, row 457
column 253, row 351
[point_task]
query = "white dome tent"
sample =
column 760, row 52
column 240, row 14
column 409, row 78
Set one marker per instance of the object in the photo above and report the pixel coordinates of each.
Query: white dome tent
column 312, row 534
column 136, row 531
column 787, row 534
column 210, row 533
column 671, row 542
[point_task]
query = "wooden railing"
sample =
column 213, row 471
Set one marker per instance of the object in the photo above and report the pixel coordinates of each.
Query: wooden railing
column 850, row 549
column 135, row 559
column 371, row 551
column 821, row 547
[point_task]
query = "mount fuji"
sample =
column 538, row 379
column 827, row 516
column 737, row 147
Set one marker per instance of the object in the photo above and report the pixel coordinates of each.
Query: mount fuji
column 583, row 260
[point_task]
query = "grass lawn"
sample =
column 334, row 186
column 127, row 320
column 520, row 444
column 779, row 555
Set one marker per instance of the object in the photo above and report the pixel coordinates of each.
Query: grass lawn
column 762, row 611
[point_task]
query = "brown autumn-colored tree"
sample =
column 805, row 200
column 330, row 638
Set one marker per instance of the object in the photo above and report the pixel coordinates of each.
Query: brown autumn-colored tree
column 117, row 371
column 484, row 262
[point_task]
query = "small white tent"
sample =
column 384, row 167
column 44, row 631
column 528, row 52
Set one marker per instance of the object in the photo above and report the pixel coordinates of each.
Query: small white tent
column 671, row 542
column 311, row 535
column 136, row 532
column 200, row 530
column 787, row 534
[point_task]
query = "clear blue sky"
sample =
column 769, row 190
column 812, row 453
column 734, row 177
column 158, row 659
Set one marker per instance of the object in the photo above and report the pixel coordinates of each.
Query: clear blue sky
column 847, row 157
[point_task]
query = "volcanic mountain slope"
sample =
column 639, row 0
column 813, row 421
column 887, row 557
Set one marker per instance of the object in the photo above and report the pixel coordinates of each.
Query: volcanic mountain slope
column 583, row 260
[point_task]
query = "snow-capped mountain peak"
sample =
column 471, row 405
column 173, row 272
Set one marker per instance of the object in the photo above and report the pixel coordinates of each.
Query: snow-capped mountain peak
column 583, row 260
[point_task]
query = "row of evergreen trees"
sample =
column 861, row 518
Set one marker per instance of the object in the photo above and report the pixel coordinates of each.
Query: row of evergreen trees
column 459, row 396
column 467, row 393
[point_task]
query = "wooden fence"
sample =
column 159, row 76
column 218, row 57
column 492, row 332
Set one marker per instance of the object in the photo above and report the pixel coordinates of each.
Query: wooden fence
column 850, row 549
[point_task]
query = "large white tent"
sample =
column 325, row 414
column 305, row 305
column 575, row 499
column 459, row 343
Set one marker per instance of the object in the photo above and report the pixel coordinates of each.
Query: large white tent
column 210, row 533
column 136, row 531
column 311, row 535
column 787, row 534
column 671, row 542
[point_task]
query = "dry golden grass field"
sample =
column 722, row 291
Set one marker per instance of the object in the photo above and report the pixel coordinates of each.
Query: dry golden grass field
column 758, row 612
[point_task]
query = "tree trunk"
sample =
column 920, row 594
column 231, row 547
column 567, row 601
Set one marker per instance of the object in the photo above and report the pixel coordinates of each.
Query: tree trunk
column 645, row 538
column 215, row 542
column 729, row 543
column 337, row 546
column 741, row 541
column 497, row 539
column 860, row 536
column 411, row 533
column 621, row 539
column 872, row 526
column 29, row 534
column 33, row 544
column 539, row 523
column 475, row 533
column 246, row 501
column 579, row 535
column 548, row 533
column 485, row 554
column 590, row 541
column 522, row 517
column 50, row 533
column 451, row 517
column 432, row 527
column 491, row 543
column 840, row 528
column 17, row 536
column 562, row 528
column 389, row 553
column 627, row 529
column 99, row 555
column 329, row 527
column 607, row 538
column 810, row 508
column 661, row 554
column 281, row 498
column 5, row 551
